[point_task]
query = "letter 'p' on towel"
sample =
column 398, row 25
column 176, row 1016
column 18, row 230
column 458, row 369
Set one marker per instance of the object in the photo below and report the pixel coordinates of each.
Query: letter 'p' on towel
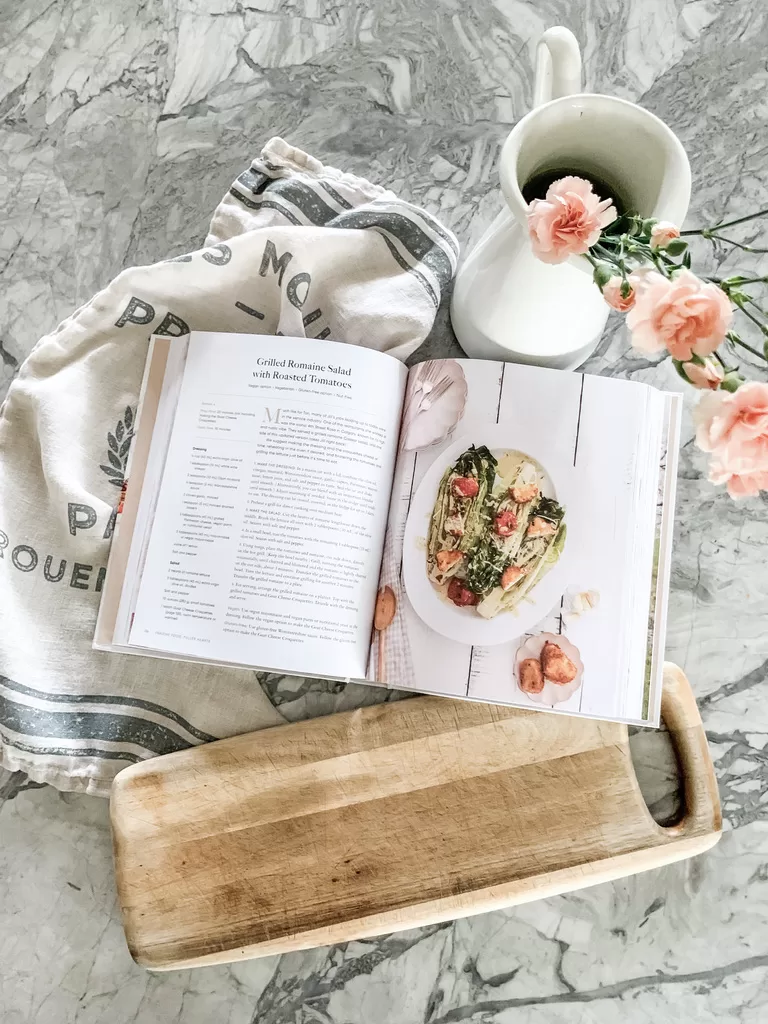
column 294, row 248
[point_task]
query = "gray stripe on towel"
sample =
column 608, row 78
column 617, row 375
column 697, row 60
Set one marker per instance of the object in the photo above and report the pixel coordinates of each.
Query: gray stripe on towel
column 99, row 698
column 406, row 230
column 407, row 266
column 47, row 751
column 290, row 217
column 335, row 196
column 418, row 243
column 95, row 725
column 300, row 195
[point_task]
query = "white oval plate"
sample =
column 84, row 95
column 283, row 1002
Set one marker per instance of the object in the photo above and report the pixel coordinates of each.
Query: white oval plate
column 464, row 624
column 553, row 693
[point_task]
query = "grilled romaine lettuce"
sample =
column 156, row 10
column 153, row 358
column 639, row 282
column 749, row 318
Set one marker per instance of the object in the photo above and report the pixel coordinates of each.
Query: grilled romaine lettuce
column 536, row 555
column 457, row 522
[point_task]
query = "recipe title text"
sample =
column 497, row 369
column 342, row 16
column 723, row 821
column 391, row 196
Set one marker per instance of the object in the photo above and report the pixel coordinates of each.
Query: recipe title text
column 306, row 373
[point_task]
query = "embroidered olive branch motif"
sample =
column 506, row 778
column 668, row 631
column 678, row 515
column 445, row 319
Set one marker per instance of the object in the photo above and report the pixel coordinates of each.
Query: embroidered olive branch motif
column 119, row 444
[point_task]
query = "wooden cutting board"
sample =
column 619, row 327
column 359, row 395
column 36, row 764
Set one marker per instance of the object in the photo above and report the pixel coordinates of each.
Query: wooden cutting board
column 385, row 818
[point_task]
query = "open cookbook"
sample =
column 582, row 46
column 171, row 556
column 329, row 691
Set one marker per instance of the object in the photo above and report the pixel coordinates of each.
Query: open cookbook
column 467, row 528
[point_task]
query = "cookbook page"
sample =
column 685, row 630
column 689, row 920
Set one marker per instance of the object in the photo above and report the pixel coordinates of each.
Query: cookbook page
column 268, row 531
column 509, row 568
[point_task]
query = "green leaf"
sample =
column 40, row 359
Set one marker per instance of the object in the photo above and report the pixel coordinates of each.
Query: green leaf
column 687, row 259
column 680, row 371
column 110, row 471
column 602, row 275
column 114, row 460
column 125, row 446
column 765, row 348
column 128, row 416
column 112, row 441
column 676, row 247
column 119, row 430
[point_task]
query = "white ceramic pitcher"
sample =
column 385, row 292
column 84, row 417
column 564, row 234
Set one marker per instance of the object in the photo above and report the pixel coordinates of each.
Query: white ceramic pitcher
column 506, row 303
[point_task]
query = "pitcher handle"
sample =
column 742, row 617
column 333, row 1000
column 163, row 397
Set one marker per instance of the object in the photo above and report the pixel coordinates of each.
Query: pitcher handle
column 558, row 66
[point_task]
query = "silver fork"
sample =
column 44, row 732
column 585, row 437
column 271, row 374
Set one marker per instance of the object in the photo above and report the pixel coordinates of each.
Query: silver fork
column 427, row 376
column 437, row 392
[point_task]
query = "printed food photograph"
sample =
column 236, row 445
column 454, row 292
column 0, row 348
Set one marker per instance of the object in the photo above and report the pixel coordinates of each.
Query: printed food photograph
column 493, row 534
column 493, row 530
column 548, row 668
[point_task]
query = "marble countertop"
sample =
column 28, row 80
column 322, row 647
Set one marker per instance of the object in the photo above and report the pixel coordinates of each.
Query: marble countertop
column 122, row 125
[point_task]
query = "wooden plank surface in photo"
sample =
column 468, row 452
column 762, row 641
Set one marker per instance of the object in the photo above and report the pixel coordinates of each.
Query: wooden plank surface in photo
column 386, row 818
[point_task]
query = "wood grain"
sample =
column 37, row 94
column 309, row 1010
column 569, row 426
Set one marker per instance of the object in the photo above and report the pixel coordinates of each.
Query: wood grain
column 385, row 818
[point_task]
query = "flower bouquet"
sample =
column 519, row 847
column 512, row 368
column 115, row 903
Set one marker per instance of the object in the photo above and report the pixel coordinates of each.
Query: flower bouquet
column 643, row 269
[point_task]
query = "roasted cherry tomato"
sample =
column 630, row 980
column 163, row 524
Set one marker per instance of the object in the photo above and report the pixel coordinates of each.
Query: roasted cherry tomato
column 460, row 594
column 465, row 487
column 505, row 523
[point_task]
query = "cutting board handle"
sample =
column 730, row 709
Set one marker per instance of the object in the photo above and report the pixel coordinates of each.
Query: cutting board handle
column 682, row 719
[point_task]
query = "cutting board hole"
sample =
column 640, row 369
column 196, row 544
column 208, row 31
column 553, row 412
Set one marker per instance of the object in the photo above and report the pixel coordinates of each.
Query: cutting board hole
column 658, row 773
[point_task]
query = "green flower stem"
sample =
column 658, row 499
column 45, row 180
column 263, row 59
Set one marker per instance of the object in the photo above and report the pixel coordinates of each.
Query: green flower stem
column 737, row 341
column 751, row 317
column 739, row 245
column 612, row 259
column 726, row 283
column 638, row 250
column 757, row 305
column 726, row 224
column 605, row 252
column 659, row 266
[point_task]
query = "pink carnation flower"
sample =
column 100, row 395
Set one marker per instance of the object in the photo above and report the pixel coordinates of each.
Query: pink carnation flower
column 739, row 485
column 568, row 221
column 734, row 428
column 682, row 314
column 614, row 298
column 662, row 233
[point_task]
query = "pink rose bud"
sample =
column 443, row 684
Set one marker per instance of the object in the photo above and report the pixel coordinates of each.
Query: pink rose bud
column 662, row 233
column 568, row 221
column 614, row 298
column 706, row 376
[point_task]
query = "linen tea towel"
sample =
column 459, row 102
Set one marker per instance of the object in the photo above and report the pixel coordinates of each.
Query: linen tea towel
column 294, row 248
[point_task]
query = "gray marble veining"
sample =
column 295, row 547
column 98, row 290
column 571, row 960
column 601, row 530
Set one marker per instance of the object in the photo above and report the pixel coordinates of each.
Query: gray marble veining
column 120, row 127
